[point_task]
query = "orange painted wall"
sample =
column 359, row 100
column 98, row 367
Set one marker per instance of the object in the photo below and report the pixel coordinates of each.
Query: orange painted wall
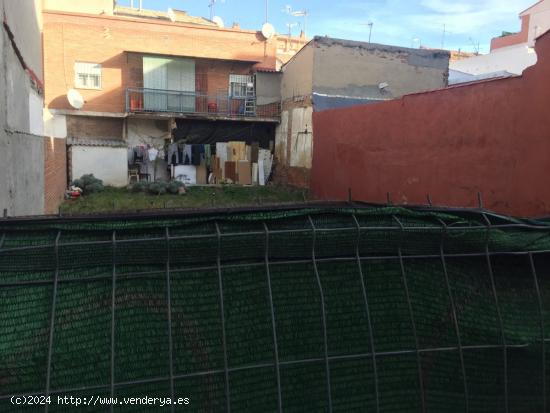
column 72, row 37
column 490, row 137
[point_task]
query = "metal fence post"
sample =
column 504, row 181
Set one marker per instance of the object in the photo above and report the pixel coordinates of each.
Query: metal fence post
column 454, row 313
column 542, row 335
column 499, row 315
column 323, row 312
column 222, row 314
column 169, row 308
column 367, row 313
column 411, row 313
column 52, row 319
column 273, row 325
column 113, row 320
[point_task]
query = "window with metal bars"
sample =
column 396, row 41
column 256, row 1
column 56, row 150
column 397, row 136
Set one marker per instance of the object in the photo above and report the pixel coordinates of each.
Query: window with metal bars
column 87, row 75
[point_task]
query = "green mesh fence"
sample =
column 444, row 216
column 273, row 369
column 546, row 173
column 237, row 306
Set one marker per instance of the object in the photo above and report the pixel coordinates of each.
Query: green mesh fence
column 302, row 310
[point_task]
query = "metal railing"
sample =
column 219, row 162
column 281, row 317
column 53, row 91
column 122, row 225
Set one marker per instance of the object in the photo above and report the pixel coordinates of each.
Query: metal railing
column 144, row 100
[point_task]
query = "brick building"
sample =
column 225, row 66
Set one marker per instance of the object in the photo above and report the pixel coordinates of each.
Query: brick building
column 147, row 78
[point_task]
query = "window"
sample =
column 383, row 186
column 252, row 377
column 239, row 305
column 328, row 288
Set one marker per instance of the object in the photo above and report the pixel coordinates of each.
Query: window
column 238, row 84
column 87, row 75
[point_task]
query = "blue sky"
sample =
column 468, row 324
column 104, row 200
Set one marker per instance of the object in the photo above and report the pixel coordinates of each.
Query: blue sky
column 398, row 22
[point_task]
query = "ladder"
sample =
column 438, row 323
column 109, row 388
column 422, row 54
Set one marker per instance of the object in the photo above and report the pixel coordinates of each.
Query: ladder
column 250, row 100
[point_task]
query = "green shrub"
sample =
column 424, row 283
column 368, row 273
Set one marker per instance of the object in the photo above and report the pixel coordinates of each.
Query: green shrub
column 174, row 186
column 140, row 186
column 89, row 184
column 157, row 188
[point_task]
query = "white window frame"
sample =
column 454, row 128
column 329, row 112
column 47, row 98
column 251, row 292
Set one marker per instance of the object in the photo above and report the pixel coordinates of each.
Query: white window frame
column 84, row 73
column 238, row 85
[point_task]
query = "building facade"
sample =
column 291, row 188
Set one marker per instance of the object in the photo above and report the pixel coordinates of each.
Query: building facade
column 510, row 53
column 32, row 165
column 149, row 78
column 333, row 73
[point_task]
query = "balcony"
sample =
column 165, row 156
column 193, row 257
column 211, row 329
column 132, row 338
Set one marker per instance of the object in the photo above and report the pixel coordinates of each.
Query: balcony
column 199, row 105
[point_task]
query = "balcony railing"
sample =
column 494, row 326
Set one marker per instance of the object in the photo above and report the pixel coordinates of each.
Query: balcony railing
column 142, row 100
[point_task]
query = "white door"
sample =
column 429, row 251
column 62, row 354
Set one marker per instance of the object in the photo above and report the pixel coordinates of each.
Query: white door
column 155, row 76
column 181, row 78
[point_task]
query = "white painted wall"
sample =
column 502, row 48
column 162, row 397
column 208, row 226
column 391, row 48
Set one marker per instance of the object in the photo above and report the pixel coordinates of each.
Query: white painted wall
column 301, row 150
column 36, row 105
column 539, row 20
column 54, row 125
column 512, row 59
column 105, row 163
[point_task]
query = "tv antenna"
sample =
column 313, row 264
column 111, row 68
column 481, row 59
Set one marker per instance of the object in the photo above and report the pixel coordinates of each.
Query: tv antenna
column 475, row 45
column 443, row 37
column 290, row 26
column 212, row 6
column 370, row 24
column 301, row 13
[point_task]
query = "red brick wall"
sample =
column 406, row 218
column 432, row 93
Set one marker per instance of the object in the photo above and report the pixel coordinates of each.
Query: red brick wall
column 55, row 173
column 513, row 39
column 107, row 39
column 491, row 137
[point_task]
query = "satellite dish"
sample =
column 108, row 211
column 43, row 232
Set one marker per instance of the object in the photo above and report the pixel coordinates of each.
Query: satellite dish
column 171, row 15
column 75, row 99
column 219, row 22
column 268, row 30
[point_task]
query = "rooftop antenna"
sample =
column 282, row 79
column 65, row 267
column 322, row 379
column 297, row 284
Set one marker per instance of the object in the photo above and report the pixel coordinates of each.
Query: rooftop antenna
column 302, row 13
column 290, row 26
column 443, row 37
column 475, row 44
column 370, row 24
column 266, row 9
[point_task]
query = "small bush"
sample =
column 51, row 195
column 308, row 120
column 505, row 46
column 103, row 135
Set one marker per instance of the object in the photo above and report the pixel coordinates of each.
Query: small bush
column 157, row 188
column 89, row 184
column 140, row 186
column 174, row 186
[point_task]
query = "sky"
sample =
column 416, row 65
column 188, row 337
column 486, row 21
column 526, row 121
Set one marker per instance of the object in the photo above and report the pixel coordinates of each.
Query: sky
column 467, row 25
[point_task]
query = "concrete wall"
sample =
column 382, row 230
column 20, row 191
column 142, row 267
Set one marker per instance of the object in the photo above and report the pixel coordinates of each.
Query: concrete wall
column 268, row 88
column 23, row 187
column 491, row 137
column 512, row 59
column 298, row 75
column 105, row 163
column 348, row 71
column 329, row 73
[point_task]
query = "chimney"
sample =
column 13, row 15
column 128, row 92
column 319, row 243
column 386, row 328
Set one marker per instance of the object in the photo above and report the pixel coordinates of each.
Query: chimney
column 236, row 26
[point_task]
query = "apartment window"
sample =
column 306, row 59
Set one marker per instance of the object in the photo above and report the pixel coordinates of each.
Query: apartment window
column 87, row 75
column 238, row 84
